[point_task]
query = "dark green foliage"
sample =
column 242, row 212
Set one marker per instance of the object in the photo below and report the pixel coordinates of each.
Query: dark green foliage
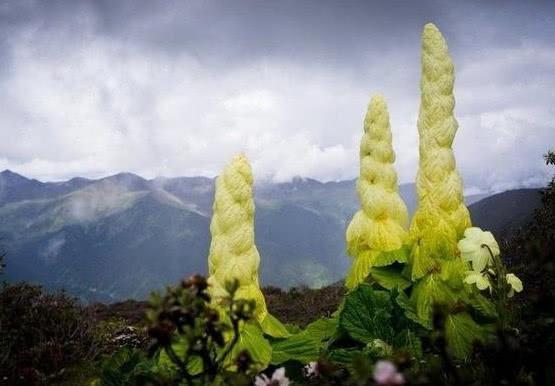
column 377, row 322
column 366, row 315
column 126, row 367
column 192, row 342
column 306, row 345
column 369, row 324
column 532, row 256
column 132, row 367
column 41, row 334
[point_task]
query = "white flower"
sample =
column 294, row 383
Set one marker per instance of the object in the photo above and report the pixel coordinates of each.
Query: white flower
column 278, row 379
column 515, row 283
column 311, row 370
column 385, row 373
column 473, row 248
column 480, row 279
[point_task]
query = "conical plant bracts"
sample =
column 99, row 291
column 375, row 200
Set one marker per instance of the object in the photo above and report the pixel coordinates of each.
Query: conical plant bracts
column 233, row 254
column 441, row 216
column 377, row 232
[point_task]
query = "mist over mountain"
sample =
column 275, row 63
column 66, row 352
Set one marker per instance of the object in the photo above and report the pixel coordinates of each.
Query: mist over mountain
column 123, row 236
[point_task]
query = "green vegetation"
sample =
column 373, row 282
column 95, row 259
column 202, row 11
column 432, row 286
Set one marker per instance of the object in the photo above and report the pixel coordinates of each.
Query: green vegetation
column 42, row 334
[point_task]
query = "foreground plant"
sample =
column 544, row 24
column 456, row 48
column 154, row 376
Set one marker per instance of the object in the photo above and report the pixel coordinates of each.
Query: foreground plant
column 441, row 217
column 188, row 345
column 377, row 233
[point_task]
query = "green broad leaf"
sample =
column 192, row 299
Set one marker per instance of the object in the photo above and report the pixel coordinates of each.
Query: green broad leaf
column 292, row 328
column 408, row 341
column 420, row 262
column 273, row 327
column 299, row 347
column 366, row 315
column 120, row 368
column 384, row 258
column 453, row 272
column 323, row 328
column 251, row 338
column 461, row 331
column 409, row 309
column 354, row 360
column 344, row 356
column 390, row 277
column 360, row 268
column 482, row 305
column 304, row 346
column 429, row 291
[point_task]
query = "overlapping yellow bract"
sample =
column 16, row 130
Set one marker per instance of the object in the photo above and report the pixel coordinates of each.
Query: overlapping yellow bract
column 441, row 216
column 380, row 224
column 233, row 254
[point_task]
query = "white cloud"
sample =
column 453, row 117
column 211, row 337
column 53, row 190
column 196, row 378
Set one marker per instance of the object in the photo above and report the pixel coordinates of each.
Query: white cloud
column 90, row 105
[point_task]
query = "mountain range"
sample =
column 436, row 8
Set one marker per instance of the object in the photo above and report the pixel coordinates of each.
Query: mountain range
column 123, row 236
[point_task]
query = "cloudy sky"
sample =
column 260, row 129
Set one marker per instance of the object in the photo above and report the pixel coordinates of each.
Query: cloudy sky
column 91, row 88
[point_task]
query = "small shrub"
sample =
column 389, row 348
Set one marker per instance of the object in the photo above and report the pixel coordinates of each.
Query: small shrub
column 192, row 342
column 41, row 334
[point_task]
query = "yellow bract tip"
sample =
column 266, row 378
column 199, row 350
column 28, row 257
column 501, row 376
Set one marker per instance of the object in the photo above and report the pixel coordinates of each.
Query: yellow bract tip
column 430, row 27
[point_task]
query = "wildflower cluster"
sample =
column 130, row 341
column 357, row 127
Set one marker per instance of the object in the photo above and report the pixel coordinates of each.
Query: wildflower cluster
column 482, row 251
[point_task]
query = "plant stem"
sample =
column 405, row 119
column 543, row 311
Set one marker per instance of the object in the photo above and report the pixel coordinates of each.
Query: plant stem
column 500, row 288
column 181, row 364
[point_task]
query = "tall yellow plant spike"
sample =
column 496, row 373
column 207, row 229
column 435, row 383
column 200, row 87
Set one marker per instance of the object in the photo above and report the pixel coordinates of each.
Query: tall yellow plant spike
column 233, row 254
column 441, row 216
column 379, row 226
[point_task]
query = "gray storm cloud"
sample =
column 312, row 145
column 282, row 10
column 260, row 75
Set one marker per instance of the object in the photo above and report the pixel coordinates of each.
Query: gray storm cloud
column 92, row 88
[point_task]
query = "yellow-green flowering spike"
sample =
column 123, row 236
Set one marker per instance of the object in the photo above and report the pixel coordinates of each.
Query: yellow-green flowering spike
column 380, row 224
column 233, row 254
column 441, row 217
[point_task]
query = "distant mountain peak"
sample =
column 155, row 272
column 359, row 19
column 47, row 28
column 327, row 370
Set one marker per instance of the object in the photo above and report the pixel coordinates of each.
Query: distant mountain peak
column 297, row 182
column 8, row 174
column 300, row 180
column 128, row 180
column 125, row 176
